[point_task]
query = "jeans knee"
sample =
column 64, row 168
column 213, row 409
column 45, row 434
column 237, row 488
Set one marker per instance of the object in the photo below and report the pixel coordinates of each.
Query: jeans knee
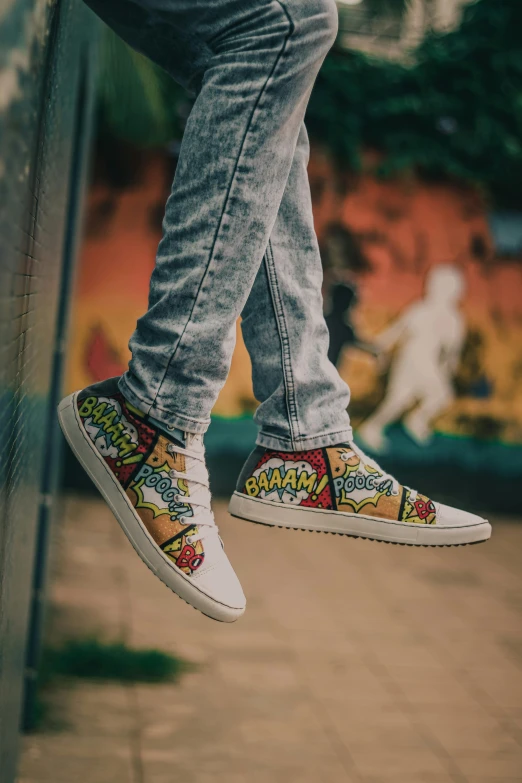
column 316, row 22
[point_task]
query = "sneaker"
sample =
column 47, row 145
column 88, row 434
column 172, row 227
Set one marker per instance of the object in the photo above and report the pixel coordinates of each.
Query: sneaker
column 156, row 485
column 339, row 489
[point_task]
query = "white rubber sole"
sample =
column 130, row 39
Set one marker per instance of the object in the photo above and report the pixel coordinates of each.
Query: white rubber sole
column 130, row 522
column 266, row 512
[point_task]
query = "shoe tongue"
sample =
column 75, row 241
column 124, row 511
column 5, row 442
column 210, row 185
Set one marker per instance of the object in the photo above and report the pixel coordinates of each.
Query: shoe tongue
column 194, row 442
column 359, row 453
column 196, row 469
column 178, row 437
column 187, row 440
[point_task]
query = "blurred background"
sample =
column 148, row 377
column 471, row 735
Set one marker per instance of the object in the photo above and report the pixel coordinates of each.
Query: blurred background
column 355, row 662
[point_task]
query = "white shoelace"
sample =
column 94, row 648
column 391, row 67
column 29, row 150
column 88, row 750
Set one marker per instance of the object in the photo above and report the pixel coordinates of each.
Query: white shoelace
column 384, row 477
column 196, row 476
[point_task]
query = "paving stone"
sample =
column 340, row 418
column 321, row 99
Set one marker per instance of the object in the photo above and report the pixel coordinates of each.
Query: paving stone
column 490, row 764
column 355, row 663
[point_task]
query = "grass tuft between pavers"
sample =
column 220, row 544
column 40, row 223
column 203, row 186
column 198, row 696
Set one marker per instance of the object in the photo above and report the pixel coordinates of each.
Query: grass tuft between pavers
column 91, row 658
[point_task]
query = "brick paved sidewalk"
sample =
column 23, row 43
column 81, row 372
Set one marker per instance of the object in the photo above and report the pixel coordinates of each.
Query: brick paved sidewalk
column 356, row 661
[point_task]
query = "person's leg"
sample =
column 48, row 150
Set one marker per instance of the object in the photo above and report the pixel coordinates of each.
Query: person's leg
column 139, row 437
column 302, row 398
column 255, row 64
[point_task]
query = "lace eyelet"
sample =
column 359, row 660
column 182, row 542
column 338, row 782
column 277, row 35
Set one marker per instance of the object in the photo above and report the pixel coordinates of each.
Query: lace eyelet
column 344, row 456
column 178, row 498
column 170, row 448
column 172, row 473
column 189, row 540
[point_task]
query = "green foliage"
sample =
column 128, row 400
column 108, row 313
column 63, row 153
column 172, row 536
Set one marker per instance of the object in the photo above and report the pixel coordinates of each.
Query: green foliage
column 91, row 658
column 456, row 112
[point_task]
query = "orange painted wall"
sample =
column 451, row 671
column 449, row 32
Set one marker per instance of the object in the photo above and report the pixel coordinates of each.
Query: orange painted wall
column 401, row 229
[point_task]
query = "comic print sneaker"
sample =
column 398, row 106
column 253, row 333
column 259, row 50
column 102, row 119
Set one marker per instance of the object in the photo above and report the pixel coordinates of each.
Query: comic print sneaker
column 339, row 489
column 157, row 487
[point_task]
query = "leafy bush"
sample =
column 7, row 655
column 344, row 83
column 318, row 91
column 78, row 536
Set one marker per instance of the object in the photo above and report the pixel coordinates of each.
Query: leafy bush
column 456, row 112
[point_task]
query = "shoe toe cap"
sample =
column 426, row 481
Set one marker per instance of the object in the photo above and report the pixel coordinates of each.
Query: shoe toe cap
column 220, row 583
column 447, row 516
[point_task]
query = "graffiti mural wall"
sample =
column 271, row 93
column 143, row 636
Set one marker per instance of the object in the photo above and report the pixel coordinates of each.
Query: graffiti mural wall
column 423, row 292
column 422, row 298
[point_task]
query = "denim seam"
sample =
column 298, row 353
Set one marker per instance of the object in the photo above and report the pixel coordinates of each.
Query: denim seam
column 325, row 434
column 286, row 358
column 291, row 28
column 311, row 437
column 327, row 440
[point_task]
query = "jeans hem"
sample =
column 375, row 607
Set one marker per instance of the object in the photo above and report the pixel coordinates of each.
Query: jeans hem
column 303, row 444
column 170, row 419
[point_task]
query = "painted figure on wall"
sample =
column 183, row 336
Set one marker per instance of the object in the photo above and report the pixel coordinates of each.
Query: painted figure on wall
column 428, row 339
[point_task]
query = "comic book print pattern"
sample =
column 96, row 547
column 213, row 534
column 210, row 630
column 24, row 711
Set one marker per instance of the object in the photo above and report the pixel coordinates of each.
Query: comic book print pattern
column 298, row 478
column 335, row 478
column 138, row 456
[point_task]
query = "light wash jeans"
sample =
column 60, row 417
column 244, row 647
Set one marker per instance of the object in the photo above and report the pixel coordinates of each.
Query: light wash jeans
column 238, row 229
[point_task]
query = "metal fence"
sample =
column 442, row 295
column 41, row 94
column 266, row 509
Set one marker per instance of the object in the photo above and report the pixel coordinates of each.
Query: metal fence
column 46, row 99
